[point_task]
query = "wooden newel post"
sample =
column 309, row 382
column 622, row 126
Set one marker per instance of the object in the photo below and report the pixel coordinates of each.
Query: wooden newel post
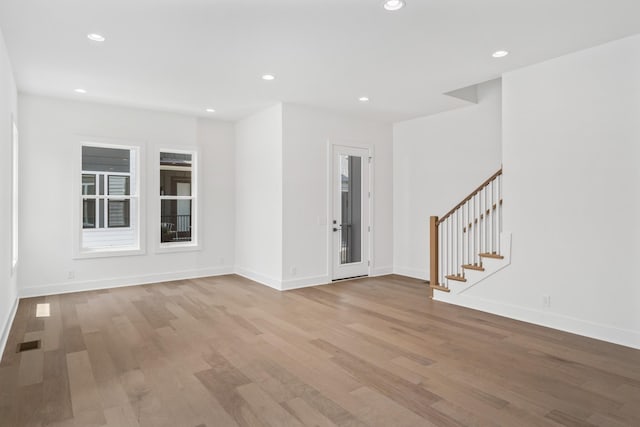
column 433, row 254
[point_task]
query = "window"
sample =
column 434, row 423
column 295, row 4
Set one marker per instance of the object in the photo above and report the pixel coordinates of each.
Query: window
column 177, row 198
column 109, row 198
column 14, row 200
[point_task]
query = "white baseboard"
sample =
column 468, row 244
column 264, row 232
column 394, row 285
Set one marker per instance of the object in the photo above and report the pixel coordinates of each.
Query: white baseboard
column 6, row 327
column 271, row 282
column 382, row 271
column 411, row 272
column 552, row 320
column 305, row 282
column 118, row 282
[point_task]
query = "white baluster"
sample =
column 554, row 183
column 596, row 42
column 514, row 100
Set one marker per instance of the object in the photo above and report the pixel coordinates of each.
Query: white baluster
column 482, row 224
column 487, row 244
column 449, row 245
column 493, row 216
column 499, row 210
column 476, row 225
column 456, row 221
column 439, row 255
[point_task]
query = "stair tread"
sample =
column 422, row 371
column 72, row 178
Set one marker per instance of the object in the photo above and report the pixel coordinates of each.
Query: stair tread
column 473, row 267
column 456, row 278
column 490, row 255
column 440, row 288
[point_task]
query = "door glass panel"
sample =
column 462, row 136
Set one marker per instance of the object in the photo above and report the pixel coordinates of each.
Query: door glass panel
column 351, row 209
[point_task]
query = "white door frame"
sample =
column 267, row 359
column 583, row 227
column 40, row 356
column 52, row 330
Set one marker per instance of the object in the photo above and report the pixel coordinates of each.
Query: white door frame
column 367, row 252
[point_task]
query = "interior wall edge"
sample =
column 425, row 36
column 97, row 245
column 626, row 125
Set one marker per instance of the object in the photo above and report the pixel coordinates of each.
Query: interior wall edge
column 382, row 271
column 6, row 327
column 305, row 282
column 413, row 273
column 263, row 279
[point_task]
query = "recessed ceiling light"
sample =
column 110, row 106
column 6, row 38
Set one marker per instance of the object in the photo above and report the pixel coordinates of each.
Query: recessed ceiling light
column 80, row 91
column 96, row 37
column 268, row 77
column 500, row 54
column 210, row 110
column 393, row 5
column 363, row 99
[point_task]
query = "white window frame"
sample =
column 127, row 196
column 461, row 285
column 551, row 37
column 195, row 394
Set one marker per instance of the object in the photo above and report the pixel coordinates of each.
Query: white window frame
column 194, row 244
column 135, row 196
column 14, row 198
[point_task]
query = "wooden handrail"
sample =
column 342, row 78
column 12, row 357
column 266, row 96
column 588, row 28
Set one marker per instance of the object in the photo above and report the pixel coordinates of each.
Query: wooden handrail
column 470, row 196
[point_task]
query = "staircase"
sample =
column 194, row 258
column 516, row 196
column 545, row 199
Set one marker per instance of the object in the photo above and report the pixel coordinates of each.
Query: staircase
column 468, row 238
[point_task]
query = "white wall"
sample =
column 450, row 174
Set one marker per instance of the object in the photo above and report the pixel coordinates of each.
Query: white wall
column 8, row 109
column 572, row 195
column 308, row 135
column 247, row 223
column 258, row 171
column 50, row 133
column 216, row 142
column 437, row 161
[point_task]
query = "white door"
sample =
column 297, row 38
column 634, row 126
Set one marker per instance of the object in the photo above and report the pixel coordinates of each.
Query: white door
column 350, row 222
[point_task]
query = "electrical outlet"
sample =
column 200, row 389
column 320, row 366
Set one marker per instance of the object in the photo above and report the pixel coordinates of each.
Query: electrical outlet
column 293, row 271
column 546, row 300
column 71, row 275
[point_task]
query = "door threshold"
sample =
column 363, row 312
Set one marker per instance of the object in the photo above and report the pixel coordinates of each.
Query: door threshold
column 350, row 278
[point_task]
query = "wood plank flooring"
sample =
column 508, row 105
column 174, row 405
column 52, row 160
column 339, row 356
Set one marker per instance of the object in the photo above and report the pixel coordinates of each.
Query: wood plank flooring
column 225, row 351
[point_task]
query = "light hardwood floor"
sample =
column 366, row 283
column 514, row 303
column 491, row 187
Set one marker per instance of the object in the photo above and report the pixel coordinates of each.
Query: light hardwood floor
column 224, row 351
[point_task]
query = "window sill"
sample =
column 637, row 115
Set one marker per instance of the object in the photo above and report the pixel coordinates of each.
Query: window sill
column 108, row 253
column 178, row 247
column 106, row 229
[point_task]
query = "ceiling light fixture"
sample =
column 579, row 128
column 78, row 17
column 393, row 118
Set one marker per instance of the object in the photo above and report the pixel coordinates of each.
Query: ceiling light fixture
column 500, row 54
column 393, row 5
column 96, row 37
column 268, row 77
column 363, row 99
column 80, row 91
column 210, row 110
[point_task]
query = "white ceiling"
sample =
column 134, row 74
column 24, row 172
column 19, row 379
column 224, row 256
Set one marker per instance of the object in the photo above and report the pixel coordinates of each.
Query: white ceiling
column 187, row 55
